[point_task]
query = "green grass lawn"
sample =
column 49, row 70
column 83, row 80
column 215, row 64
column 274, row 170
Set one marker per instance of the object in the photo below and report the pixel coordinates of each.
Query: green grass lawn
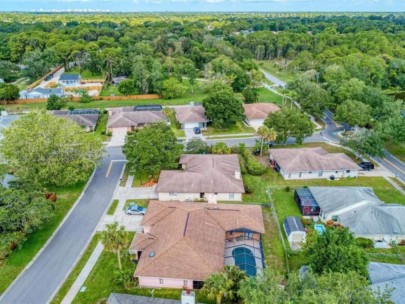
column 140, row 179
column 102, row 127
column 100, row 283
column 76, row 271
column 276, row 69
column 238, row 128
column 174, row 124
column 269, row 96
column 85, row 74
column 110, row 90
column 397, row 150
column 113, row 206
column 124, row 178
column 11, row 267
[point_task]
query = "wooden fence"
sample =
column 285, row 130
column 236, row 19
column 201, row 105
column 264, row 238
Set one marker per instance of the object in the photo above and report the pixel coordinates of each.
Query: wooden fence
column 96, row 98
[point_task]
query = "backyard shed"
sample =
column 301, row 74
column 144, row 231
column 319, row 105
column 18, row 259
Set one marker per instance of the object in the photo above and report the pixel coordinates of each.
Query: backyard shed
column 294, row 231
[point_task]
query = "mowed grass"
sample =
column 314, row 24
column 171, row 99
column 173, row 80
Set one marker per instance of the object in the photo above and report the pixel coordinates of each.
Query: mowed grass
column 113, row 206
column 11, row 267
column 269, row 96
column 76, row 271
column 85, row 74
column 397, row 150
column 238, row 128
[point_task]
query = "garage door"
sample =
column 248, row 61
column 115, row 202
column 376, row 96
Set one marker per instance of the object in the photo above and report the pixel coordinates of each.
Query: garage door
column 119, row 130
column 190, row 125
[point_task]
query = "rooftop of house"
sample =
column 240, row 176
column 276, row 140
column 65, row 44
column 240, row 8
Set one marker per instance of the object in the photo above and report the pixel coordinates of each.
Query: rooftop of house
column 84, row 120
column 191, row 113
column 65, row 77
column 203, row 174
column 388, row 276
column 259, row 110
column 129, row 119
column 187, row 240
column 50, row 91
column 311, row 159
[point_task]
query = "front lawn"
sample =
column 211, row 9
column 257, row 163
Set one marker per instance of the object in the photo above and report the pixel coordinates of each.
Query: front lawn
column 101, row 127
column 110, row 90
column 85, row 74
column 269, row 96
column 11, row 267
column 278, row 70
column 238, row 128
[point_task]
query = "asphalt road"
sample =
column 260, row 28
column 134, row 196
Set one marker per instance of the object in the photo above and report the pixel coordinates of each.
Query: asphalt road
column 274, row 79
column 39, row 283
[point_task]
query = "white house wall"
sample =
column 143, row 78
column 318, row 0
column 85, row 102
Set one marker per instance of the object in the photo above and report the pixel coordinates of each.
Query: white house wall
column 318, row 174
column 182, row 197
column 256, row 123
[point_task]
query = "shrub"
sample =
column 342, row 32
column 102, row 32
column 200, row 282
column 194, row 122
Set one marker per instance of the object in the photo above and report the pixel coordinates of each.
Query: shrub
column 85, row 98
column 364, row 243
column 221, row 148
column 287, row 189
column 249, row 185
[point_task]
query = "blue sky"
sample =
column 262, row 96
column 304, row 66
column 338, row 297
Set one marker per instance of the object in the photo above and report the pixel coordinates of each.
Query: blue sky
column 205, row 5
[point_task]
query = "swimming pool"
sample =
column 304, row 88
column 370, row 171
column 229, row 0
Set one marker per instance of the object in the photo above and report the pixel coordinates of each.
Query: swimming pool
column 319, row 228
column 245, row 260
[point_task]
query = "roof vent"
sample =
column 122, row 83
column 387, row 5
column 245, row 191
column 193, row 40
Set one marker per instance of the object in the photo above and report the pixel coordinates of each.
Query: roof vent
column 151, row 254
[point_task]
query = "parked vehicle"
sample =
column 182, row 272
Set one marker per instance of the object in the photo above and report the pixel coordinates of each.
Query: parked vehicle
column 197, row 130
column 366, row 165
column 134, row 209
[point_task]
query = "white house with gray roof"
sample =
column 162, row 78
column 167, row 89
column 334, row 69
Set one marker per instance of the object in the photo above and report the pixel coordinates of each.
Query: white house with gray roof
column 42, row 93
column 69, row 80
column 360, row 210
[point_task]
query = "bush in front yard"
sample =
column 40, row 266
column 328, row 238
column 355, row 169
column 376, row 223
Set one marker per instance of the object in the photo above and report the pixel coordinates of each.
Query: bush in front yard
column 364, row 243
column 250, row 163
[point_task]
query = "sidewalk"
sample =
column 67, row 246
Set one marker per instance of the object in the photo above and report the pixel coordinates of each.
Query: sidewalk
column 77, row 285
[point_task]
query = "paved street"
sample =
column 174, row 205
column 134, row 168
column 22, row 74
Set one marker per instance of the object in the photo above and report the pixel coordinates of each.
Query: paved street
column 274, row 79
column 38, row 284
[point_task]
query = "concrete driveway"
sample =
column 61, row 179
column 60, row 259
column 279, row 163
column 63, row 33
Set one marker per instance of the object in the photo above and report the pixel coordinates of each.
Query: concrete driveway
column 190, row 135
column 117, row 139
column 40, row 281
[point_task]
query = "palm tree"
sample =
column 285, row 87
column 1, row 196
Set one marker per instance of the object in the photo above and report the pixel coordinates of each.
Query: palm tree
column 266, row 134
column 237, row 276
column 115, row 240
column 217, row 286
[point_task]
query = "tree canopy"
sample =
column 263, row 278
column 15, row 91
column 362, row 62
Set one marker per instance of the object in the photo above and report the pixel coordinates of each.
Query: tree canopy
column 152, row 149
column 47, row 150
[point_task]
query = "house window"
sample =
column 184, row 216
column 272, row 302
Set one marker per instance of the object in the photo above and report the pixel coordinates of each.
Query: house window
column 185, row 283
column 172, row 194
column 289, row 175
column 310, row 172
column 160, row 281
column 320, row 173
column 231, row 196
column 300, row 174
column 248, row 235
column 334, row 218
column 198, row 284
column 347, row 171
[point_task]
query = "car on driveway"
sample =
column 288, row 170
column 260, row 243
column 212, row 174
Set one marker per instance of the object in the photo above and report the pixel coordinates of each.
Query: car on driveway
column 134, row 209
column 197, row 130
column 366, row 165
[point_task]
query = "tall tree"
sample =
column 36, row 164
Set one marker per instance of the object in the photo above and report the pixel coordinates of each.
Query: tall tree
column 222, row 107
column 290, row 123
column 47, row 150
column 152, row 149
column 354, row 113
column 335, row 251
column 115, row 239
column 250, row 95
column 9, row 92
column 365, row 142
column 266, row 134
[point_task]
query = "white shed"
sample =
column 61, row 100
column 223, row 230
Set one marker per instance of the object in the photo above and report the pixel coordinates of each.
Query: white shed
column 294, row 231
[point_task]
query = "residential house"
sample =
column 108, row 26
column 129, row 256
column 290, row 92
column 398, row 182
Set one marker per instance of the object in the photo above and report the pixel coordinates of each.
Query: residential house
column 181, row 244
column 191, row 116
column 86, row 118
column 202, row 177
column 125, row 121
column 311, row 163
column 295, row 232
column 256, row 113
column 384, row 276
column 69, row 80
column 42, row 93
column 360, row 210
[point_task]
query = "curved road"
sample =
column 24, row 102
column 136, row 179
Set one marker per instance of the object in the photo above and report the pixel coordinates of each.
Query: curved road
column 40, row 281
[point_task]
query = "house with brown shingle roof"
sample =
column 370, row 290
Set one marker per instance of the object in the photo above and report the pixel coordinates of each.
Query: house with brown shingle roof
column 125, row 121
column 256, row 113
column 85, row 118
column 202, row 177
column 311, row 163
column 182, row 243
column 191, row 116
